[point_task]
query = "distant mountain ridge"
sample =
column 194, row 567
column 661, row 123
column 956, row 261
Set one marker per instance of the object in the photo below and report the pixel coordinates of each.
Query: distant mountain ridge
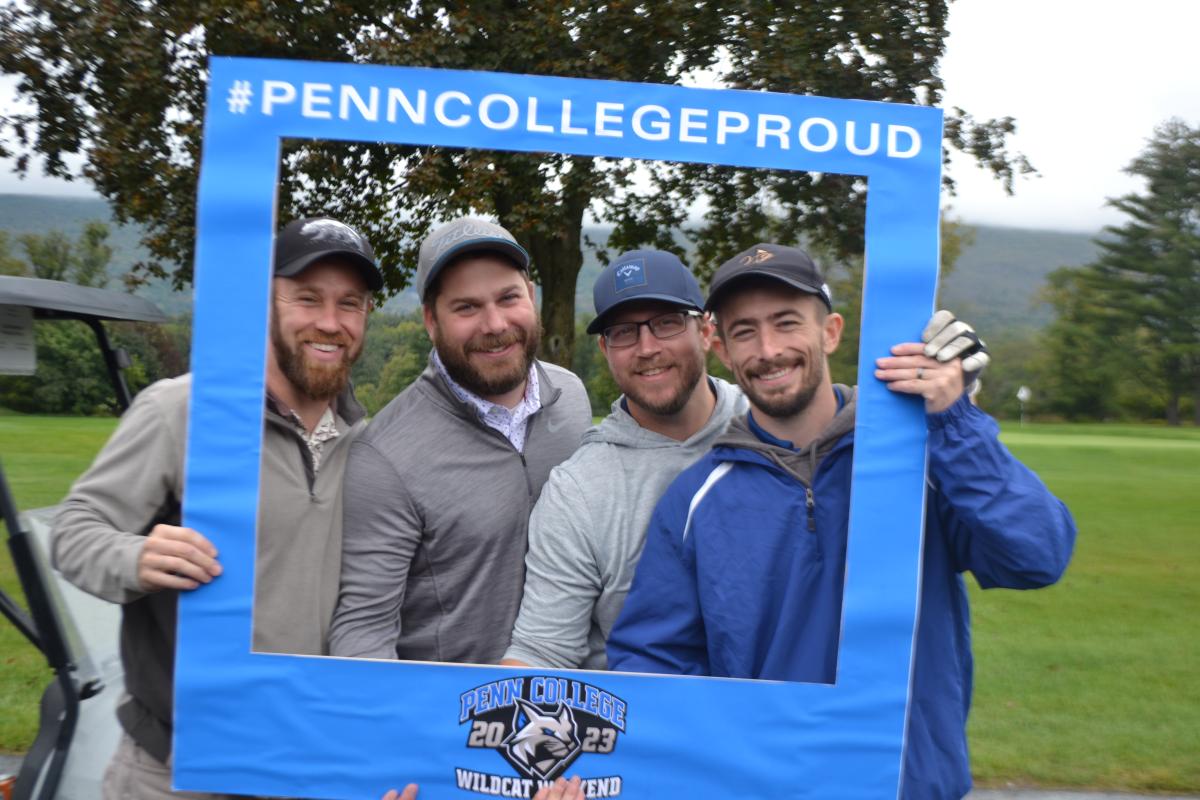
column 995, row 284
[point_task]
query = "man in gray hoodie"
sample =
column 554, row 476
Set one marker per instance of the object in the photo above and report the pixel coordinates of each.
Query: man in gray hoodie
column 439, row 489
column 587, row 530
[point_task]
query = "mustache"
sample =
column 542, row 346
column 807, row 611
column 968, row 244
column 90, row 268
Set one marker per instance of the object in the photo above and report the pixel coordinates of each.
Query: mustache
column 644, row 365
column 494, row 341
column 326, row 338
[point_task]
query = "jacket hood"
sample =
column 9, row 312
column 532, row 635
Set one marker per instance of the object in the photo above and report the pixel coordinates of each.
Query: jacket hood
column 802, row 463
column 621, row 429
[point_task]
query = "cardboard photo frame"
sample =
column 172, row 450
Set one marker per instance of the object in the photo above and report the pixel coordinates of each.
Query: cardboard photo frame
column 298, row 726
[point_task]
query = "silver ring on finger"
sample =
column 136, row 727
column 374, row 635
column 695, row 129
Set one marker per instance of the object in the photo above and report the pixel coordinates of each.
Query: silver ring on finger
column 920, row 373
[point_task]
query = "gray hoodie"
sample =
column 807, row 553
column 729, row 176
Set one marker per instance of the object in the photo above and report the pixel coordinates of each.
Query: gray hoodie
column 587, row 530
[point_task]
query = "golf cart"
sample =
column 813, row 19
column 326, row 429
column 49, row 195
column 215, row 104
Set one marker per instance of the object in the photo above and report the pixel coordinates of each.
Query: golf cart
column 76, row 632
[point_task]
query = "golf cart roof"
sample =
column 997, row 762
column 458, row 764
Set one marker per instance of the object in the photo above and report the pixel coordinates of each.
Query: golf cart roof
column 58, row 300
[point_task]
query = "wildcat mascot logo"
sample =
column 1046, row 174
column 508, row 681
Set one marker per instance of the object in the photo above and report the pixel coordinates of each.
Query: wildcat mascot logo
column 541, row 725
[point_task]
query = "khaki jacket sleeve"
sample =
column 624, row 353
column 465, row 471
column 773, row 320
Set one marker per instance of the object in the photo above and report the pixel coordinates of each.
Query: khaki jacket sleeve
column 133, row 484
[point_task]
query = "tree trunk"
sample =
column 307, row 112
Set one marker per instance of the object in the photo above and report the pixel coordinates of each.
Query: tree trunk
column 1173, row 409
column 558, row 258
column 1196, row 401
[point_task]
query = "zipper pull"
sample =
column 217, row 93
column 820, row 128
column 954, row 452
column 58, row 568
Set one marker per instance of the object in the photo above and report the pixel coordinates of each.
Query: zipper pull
column 811, row 503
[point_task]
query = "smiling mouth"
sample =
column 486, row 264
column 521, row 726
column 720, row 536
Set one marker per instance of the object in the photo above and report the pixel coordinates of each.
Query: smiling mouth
column 777, row 374
column 494, row 351
column 652, row 372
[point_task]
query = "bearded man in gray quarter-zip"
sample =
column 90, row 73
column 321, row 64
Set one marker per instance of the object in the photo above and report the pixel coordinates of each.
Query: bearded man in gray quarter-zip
column 439, row 489
column 118, row 534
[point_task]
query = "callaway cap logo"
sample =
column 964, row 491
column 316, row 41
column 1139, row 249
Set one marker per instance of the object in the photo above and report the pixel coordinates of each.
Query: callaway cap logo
column 630, row 274
column 333, row 233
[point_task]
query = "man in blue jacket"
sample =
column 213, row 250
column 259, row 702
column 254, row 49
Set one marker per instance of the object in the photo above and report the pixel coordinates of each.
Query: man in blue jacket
column 704, row 602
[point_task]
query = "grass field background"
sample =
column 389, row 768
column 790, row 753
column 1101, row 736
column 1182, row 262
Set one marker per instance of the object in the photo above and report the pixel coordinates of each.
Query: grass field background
column 1090, row 683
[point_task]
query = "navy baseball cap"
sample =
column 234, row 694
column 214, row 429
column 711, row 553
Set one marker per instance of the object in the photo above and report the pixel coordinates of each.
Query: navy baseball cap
column 643, row 275
column 302, row 242
column 791, row 265
column 462, row 236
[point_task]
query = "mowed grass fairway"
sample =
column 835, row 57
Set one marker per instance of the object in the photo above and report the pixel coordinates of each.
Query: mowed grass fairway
column 1090, row 683
column 41, row 457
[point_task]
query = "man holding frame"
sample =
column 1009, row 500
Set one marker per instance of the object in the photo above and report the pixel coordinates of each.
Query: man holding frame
column 119, row 535
column 742, row 575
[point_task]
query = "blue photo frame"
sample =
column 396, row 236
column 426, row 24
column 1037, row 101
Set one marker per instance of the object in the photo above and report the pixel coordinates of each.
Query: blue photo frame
column 338, row 728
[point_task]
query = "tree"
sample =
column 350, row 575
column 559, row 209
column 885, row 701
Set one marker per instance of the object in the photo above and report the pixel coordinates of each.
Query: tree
column 1144, row 289
column 9, row 264
column 55, row 257
column 124, row 83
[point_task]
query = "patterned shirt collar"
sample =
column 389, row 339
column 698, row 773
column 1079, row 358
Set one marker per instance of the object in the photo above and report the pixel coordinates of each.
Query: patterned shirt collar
column 512, row 424
column 325, row 429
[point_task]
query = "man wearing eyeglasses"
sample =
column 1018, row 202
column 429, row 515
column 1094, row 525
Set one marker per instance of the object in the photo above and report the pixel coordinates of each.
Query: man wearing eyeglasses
column 587, row 529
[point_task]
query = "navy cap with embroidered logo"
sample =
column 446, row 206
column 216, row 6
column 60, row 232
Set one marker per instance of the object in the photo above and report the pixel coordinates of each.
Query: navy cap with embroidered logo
column 790, row 265
column 462, row 236
column 303, row 242
column 643, row 275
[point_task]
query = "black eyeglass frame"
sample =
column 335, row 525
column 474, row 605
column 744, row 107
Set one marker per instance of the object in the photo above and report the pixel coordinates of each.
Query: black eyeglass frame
column 685, row 313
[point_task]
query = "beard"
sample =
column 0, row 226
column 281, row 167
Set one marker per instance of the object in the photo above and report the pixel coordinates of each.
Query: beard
column 786, row 405
column 316, row 380
column 691, row 370
column 494, row 379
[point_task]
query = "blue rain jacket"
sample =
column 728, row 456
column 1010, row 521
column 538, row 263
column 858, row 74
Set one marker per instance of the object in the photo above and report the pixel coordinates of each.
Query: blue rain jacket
column 718, row 603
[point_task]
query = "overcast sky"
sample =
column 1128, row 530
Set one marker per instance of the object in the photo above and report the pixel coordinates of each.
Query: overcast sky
column 1087, row 81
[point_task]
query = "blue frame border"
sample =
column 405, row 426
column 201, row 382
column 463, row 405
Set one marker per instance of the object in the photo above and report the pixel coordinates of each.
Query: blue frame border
column 288, row 725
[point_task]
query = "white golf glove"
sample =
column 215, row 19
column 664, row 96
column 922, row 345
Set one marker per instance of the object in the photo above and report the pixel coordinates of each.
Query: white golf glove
column 947, row 337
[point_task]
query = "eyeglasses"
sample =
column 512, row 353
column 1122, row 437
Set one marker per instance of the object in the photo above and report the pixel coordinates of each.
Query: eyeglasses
column 664, row 326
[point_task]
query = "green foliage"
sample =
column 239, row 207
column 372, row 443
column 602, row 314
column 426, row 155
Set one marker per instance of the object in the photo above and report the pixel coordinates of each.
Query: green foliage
column 592, row 368
column 1130, row 321
column 9, row 264
column 71, row 377
column 395, row 354
column 128, row 81
column 53, row 256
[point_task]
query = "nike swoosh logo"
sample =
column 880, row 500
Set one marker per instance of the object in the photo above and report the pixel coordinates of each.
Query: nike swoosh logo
column 552, row 426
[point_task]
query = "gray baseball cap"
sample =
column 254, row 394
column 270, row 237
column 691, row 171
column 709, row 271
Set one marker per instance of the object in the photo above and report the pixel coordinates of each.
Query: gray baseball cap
column 465, row 235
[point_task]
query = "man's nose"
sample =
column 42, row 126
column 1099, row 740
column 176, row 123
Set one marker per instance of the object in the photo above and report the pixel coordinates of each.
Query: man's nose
column 327, row 318
column 647, row 342
column 770, row 344
column 493, row 319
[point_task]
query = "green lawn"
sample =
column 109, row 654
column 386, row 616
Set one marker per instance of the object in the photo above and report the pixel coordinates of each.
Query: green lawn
column 41, row 456
column 1088, row 684
column 1093, row 681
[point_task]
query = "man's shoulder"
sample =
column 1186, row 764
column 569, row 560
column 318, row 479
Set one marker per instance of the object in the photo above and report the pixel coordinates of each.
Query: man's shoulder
column 557, row 373
column 412, row 401
column 708, row 468
column 562, row 379
column 167, row 399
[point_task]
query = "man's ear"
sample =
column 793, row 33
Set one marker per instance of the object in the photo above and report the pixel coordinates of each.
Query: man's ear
column 718, row 347
column 708, row 331
column 833, row 331
column 430, row 319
